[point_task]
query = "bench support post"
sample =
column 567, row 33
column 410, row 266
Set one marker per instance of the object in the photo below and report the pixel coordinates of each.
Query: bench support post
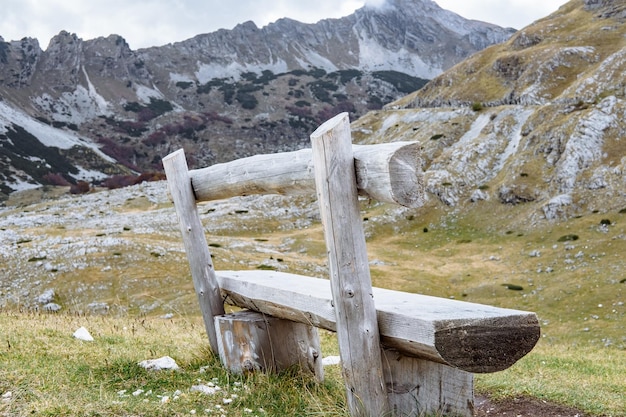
column 350, row 281
column 419, row 387
column 249, row 341
column 196, row 247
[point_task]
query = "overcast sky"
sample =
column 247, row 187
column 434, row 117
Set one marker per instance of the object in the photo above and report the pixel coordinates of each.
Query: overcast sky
column 146, row 23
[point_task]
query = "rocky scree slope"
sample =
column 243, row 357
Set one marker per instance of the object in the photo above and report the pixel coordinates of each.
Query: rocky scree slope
column 537, row 121
column 221, row 95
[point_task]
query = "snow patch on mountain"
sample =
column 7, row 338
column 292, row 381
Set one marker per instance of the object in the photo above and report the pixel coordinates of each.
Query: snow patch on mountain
column 374, row 57
column 207, row 72
column 102, row 106
column 46, row 134
column 181, row 78
column 75, row 107
column 145, row 94
column 312, row 58
column 88, row 174
column 21, row 183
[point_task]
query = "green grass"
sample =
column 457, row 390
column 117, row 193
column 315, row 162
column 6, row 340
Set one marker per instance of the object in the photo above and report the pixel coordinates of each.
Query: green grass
column 588, row 378
column 49, row 373
column 576, row 287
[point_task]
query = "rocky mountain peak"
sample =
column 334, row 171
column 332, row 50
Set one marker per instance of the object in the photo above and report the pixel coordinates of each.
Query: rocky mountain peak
column 221, row 95
column 19, row 58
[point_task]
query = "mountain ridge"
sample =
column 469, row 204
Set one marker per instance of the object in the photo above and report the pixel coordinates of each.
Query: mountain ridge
column 221, row 95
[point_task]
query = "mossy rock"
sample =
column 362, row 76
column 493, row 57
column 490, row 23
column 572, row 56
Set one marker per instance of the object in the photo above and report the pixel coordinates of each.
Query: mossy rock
column 568, row 238
column 513, row 287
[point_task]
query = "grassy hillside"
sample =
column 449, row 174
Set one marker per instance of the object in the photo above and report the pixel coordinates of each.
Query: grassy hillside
column 574, row 54
column 130, row 259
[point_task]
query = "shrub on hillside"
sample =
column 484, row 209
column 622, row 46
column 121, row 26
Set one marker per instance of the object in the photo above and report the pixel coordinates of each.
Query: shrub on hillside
column 266, row 77
column 229, row 93
column 212, row 116
column 55, row 179
column 247, row 101
column 206, row 88
column 402, row 82
column 330, row 112
column 121, row 181
column 155, row 138
column 146, row 114
column 321, row 90
column 160, row 106
column 299, row 111
column 121, row 153
column 345, row 76
column 374, row 103
column 81, row 187
column 183, row 85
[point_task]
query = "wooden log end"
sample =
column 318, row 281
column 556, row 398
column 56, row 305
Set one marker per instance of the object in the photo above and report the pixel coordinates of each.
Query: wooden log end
column 488, row 345
column 407, row 184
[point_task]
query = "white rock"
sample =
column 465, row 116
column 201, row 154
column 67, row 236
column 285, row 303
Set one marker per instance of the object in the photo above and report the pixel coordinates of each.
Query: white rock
column 52, row 307
column 205, row 389
column 46, row 297
column 331, row 360
column 159, row 364
column 83, row 334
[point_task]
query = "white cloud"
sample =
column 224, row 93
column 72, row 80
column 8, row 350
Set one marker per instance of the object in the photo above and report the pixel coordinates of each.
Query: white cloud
column 507, row 13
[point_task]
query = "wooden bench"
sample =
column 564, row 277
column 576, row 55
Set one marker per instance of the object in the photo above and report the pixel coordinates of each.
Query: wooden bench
column 401, row 354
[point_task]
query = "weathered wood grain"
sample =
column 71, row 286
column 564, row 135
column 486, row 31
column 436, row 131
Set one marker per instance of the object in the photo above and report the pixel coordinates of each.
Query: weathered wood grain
column 195, row 243
column 251, row 341
column 389, row 172
column 472, row 337
column 419, row 387
column 357, row 325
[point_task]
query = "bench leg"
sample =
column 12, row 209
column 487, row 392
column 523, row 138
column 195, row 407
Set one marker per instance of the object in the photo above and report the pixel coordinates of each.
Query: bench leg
column 419, row 387
column 250, row 341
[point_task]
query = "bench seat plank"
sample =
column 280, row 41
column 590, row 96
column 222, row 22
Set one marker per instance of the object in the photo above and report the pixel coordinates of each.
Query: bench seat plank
column 469, row 336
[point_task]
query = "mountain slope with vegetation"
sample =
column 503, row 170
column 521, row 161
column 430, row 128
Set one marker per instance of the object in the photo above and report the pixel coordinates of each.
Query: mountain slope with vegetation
column 537, row 121
column 221, row 95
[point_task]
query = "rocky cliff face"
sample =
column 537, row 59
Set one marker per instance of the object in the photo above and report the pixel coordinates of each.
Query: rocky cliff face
column 221, row 95
column 536, row 122
column 414, row 37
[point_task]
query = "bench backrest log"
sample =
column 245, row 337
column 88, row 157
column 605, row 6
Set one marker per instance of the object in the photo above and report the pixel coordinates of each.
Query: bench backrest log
column 461, row 337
